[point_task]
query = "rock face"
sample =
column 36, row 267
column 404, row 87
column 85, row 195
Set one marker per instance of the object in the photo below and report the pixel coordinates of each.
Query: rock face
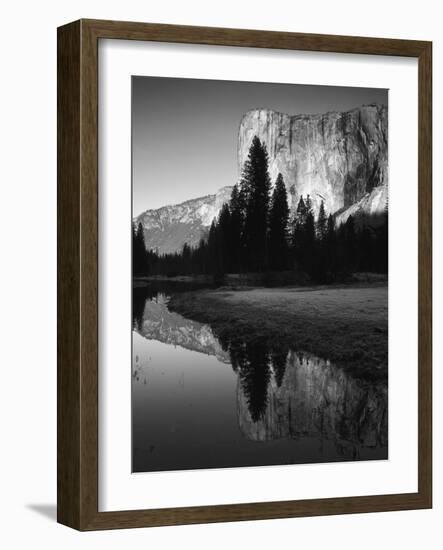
column 341, row 158
column 338, row 157
column 168, row 228
column 371, row 204
column 317, row 399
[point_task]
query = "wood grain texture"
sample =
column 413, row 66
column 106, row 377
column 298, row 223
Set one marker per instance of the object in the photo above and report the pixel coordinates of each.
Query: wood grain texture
column 425, row 274
column 78, row 271
column 254, row 38
column 68, row 275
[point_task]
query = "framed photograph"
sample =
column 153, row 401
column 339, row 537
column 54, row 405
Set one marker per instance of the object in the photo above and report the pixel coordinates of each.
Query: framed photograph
column 244, row 275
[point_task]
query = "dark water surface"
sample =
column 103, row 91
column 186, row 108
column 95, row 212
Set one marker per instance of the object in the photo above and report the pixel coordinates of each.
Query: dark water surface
column 198, row 402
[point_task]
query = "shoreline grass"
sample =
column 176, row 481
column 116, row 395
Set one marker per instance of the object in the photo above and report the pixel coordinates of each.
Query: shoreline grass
column 346, row 324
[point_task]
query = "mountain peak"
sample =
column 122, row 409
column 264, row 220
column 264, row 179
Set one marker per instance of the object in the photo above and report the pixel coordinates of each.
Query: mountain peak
column 168, row 228
column 340, row 158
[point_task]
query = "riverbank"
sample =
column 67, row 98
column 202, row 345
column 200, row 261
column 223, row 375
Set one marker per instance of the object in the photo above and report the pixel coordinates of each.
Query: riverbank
column 281, row 278
column 267, row 279
column 346, row 324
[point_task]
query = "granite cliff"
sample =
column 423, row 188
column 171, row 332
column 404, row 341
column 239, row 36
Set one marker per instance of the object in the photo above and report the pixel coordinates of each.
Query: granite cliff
column 341, row 158
column 338, row 157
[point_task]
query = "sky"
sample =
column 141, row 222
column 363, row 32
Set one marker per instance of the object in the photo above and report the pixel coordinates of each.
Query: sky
column 184, row 131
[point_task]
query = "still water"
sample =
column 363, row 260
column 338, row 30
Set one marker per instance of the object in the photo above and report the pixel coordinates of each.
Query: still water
column 198, row 402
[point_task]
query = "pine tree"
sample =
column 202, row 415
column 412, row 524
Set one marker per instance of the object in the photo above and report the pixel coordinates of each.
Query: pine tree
column 303, row 237
column 330, row 228
column 255, row 188
column 224, row 238
column 278, row 226
column 331, row 248
column 298, row 225
column 139, row 254
column 365, row 252
column 350, row 244
column 309, row 252
column 186, row 267
column 237, row 210
column 214, row 251
column 321, row 222
column 134, row 251
column 301, row 211
column 382, row 246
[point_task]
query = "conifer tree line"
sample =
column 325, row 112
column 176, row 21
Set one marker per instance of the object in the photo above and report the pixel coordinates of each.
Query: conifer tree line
column 254, row 233
column 143, row 260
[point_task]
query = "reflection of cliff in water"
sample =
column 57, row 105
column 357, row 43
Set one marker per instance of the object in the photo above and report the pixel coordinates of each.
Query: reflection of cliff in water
column 313, row 398
column 281, row 393
column 153, row 320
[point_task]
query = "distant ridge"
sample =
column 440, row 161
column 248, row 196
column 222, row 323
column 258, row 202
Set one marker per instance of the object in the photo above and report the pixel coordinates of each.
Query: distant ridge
column 168, row 228
column 340, row 158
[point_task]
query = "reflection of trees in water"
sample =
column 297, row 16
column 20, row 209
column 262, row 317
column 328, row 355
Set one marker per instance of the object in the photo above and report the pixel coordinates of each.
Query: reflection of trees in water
column 139, row 297
column 255, row 362
column 140, row 294
column 281, row 393
column 255, row 375
column 317, row 399
column 279, row 356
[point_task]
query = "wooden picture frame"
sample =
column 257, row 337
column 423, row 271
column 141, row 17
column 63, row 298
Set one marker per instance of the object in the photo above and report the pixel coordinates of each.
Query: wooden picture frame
column 77, row 481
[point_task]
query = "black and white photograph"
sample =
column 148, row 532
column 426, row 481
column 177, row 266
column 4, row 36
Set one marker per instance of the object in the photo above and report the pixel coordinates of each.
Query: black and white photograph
column 259, row 274
column 230, row 284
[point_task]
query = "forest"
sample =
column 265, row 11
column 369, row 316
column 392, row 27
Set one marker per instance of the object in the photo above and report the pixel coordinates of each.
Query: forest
column 255, row 233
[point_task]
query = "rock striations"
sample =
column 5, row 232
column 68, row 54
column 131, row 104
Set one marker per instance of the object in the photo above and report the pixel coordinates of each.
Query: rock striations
column 341, row 158
column 317, row 399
